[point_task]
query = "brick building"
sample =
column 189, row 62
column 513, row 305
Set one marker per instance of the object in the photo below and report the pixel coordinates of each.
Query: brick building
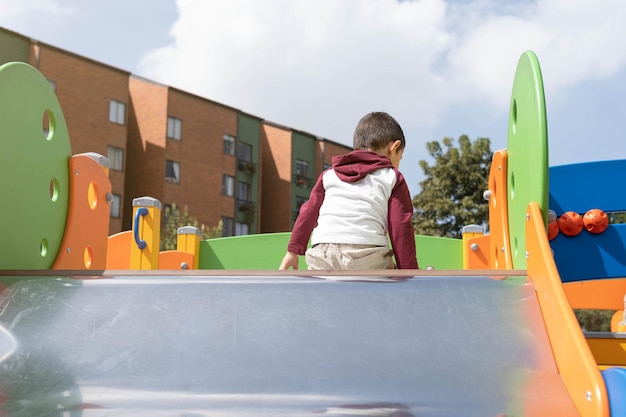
column 190, row 151
column 292, row 160
column 86, row 89
column 222, row 163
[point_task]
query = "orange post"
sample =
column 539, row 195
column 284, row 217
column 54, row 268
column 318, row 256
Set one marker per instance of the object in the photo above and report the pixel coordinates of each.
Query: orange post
column 499, row 245
column 475, row 247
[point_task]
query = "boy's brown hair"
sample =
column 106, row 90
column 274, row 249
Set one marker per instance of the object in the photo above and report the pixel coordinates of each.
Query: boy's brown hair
column 375, row 130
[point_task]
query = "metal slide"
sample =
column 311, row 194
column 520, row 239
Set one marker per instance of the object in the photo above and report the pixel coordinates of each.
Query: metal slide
column 273, row 346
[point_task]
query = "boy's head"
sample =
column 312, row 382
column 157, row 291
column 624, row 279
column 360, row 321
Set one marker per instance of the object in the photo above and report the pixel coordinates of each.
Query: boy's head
column 375, row 130
column 379, row 132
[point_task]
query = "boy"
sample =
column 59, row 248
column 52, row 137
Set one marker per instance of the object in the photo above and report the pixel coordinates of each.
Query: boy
column 356, row 203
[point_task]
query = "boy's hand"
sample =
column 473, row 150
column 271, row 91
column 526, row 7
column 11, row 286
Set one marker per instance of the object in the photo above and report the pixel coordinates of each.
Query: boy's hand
column 290, row 260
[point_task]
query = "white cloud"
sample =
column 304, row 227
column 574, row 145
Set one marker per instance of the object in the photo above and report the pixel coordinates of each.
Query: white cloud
column 582, row 41
column 313, row 65
column 320, row 65
column 574, row 40
column 27, row 12
column 441, row 67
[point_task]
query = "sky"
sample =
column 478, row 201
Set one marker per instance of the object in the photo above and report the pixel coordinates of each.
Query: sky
column 442, row 68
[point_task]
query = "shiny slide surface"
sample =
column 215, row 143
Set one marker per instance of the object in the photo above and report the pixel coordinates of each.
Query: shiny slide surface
column 266, row 346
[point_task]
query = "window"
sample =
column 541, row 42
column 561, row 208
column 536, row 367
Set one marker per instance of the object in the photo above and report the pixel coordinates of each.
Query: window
column 242, row 229
column 302, row 168
column 244, row 158
column 243, row 191
column 229, row 144
column 116, row 157
column 117, row 112
column 115, row 206
column 172, row 172
column 227, row 226
column 244, row 152
column 228, row 185
column 300, row 201
column 174, row 128
column 302, row 173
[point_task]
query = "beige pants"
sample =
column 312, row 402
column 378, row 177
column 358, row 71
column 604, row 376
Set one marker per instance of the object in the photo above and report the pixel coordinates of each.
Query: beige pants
column 338, row 256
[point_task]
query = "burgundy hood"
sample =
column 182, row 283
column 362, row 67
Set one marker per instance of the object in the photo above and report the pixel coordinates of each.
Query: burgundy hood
column 355, row 165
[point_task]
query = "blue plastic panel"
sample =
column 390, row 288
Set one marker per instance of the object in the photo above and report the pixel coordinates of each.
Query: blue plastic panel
column 615, row 379
column 589, row 256
column 584, row 186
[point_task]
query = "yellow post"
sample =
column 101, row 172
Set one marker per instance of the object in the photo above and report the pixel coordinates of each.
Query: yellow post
column 188, row 240
column 469, row 232
column 144, row 249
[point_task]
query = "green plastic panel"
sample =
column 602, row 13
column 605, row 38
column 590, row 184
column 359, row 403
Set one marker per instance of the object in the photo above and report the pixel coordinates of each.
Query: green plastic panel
column 439, row 252
column 266, row 251
column 527, row 148
column 252, row 252
column 34, row 178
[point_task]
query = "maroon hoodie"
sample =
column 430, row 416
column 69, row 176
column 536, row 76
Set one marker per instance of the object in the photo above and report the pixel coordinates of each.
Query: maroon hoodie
column 351, row 168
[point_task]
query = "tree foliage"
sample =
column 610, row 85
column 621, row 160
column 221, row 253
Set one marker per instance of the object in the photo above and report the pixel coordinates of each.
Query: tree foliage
column 618, row 217
column 173, row 219
column 452, row 193
column 594, row 320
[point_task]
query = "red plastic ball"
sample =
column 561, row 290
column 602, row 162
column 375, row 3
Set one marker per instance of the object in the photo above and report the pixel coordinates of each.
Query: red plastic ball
column 570, row 223
column 553, row 230
column 596, row 221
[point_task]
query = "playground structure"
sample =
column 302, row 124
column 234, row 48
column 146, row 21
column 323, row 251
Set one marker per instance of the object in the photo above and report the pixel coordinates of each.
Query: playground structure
column 213, row 326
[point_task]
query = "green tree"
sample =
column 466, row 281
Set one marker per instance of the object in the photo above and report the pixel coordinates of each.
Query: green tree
column 173, row 219
column 618, row 217
column 452, row 193
column 594, row 320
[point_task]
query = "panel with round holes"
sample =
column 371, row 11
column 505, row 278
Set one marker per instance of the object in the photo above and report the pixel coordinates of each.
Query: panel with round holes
column 34, row 178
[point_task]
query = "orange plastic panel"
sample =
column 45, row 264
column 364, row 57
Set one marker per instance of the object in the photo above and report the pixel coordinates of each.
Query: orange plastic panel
column 546, row 397
column 572, row 355
column 608, row 351
column 84, row 244
column 618, row 317
column 175, row 259
column 544, row 391
column 604, row 294
column 499, row 245
column 118, row 250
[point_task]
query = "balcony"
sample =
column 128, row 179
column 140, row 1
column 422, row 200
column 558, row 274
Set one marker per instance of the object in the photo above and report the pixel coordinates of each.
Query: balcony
column 302, row 181
column 247, row 208
column 248, row 167
column 245, row 205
